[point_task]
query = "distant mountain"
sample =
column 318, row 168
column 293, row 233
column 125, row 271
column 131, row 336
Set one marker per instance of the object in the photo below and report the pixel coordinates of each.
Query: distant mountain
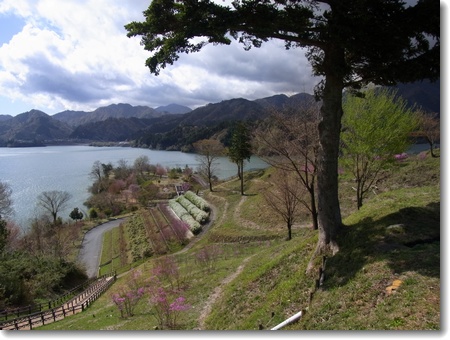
column 227, row 110
column 32, row 127
column 168, row 127
column 73, row 118
column 173, row 109
column 5, row 117
column 210, row 121
column 110, row 129
column 281, row 101
column 424, row 94
column 276, row 101
column 76, row 118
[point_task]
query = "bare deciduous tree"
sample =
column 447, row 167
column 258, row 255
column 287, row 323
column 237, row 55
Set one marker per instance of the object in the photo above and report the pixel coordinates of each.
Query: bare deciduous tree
column 289, row 141
column 283, row 197
column 99, row 174
column 5, row 200
column 430, row 129
column 209, row 151
column 141, row 165
column 53, row 202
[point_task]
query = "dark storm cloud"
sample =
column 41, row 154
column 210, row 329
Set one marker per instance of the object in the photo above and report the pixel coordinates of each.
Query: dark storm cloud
column 279, row 69
column 83, row 87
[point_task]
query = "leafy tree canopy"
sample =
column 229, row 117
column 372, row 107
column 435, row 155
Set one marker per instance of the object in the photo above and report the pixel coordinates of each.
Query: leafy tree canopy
column 381, row 41
column 375, row 128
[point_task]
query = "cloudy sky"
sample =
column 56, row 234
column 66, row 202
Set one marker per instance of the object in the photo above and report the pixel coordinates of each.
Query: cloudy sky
column 74, row 55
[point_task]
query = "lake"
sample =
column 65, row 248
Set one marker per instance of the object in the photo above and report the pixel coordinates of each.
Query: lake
column 30, row 171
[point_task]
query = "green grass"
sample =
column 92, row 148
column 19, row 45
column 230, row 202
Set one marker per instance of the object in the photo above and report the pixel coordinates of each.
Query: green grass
column 394, row 236
column 110, row 260
column 372, row 256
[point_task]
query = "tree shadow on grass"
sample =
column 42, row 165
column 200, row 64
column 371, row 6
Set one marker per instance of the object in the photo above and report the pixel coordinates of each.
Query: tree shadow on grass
column 407, row 240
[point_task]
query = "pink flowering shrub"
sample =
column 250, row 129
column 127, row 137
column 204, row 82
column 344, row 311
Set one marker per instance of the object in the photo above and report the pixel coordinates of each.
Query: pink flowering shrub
column 166, row 269
column 163, row 291
column 167, row 304
column 422, row 156
column 401, row 156
column 126, row 300
column 129, row 296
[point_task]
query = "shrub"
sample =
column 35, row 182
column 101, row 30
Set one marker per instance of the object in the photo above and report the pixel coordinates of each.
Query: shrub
column 128, row 297
column 167, row 304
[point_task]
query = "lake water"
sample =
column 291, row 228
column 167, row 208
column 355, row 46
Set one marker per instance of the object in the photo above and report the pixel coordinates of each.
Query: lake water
column 30, row 171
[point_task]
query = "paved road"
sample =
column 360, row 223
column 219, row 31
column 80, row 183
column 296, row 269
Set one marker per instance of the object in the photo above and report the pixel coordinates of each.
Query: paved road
column 91, row 246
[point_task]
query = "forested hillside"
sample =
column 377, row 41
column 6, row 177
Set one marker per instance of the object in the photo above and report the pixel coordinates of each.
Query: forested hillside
column 171, row 127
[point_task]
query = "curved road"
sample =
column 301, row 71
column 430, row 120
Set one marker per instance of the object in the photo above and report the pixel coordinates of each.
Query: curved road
column 91, row 246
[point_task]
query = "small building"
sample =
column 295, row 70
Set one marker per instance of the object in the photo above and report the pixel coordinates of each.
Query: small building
column 179, row 189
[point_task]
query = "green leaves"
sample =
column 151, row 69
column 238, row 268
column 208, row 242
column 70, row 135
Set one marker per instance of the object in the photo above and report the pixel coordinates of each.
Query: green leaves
column 375, row 127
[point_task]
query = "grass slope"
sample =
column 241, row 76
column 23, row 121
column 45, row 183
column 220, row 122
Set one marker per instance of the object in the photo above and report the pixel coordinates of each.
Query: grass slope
column 256, row 279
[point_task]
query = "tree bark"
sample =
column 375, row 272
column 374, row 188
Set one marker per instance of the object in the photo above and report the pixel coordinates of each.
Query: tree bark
column 329, row 212
column 314, row 213
column 431, row 149
column 241, row 172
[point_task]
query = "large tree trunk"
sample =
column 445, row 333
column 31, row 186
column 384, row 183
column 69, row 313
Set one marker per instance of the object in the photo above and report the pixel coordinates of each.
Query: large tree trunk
column 314, row 213
column 241, row 171
column 330, row 220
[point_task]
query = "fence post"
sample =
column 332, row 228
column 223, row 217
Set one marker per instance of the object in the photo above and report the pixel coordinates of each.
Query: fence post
column 30, row 322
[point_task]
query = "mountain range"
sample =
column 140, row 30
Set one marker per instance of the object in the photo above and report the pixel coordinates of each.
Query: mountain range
column 166, row 127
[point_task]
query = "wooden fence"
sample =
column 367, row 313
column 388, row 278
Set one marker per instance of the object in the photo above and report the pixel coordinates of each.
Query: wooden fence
column 12, row 313
column 73, row 306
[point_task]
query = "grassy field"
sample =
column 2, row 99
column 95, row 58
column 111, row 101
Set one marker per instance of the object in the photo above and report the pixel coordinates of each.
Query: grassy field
column 386, row 275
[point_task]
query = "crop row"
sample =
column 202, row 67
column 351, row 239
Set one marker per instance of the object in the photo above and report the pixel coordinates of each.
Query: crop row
column 199, row 215
column 139, row 241
column 191, row 209
column 197, row 200
column 185, row 216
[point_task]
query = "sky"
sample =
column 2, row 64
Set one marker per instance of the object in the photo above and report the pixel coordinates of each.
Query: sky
column 74, row 55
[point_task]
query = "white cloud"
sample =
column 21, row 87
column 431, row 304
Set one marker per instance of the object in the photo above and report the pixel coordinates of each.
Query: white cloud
column 75, row 55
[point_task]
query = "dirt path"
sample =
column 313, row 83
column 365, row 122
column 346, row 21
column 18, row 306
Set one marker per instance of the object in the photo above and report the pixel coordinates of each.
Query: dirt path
column 217, row 293
column 237, row 216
